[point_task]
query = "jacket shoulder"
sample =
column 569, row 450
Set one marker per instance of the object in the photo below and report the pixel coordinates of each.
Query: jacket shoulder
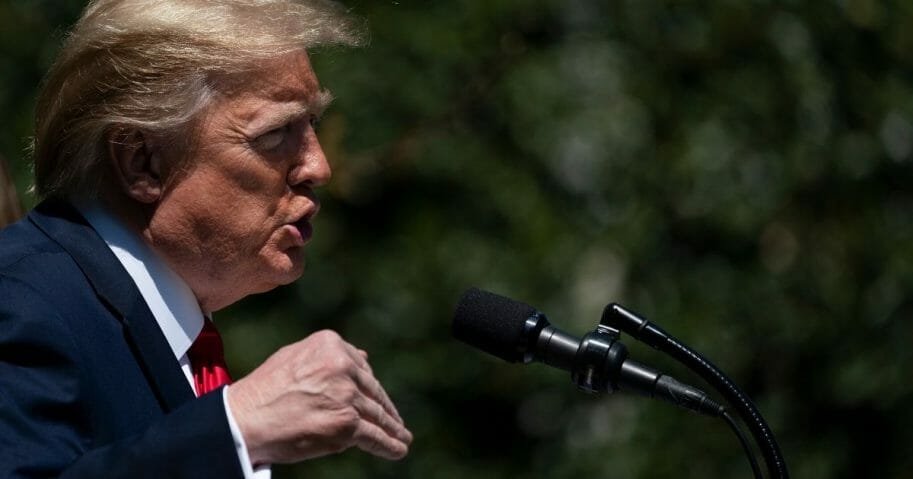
column 31, row 259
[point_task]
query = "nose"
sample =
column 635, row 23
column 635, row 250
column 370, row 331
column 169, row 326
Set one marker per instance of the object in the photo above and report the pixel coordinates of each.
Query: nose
column 311, row 168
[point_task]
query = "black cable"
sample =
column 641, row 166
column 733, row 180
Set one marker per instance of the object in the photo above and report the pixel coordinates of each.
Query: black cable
column 755, row 468
column 616, row 316
column 746, row 409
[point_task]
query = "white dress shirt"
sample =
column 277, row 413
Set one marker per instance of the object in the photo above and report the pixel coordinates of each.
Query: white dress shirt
column 171, row 301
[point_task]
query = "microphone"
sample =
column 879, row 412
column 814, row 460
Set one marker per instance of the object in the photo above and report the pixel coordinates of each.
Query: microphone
column 517, row 332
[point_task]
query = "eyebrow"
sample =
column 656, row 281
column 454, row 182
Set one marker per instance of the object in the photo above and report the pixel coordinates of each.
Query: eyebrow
column 316, row 106
column 321, row 102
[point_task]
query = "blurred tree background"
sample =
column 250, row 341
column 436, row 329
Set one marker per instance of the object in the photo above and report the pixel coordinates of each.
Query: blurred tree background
column 738, row 171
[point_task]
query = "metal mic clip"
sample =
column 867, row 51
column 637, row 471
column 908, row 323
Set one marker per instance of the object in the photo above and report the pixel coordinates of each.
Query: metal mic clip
column 597, row 364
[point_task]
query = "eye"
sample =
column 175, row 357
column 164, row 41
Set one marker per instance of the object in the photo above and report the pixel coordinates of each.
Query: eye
column 314, row 120
column 272, row 139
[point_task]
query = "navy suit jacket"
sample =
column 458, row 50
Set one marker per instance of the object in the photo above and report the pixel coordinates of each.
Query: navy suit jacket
column 89, row 387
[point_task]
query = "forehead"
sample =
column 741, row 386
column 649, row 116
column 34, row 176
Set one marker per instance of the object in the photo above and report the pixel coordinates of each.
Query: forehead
column 266, row 96
column 286, row 78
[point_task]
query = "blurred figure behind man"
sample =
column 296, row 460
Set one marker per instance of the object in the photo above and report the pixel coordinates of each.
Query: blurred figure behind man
column 10, row 208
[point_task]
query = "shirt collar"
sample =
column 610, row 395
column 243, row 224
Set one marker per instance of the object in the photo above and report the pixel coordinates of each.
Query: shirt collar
column 171, row 301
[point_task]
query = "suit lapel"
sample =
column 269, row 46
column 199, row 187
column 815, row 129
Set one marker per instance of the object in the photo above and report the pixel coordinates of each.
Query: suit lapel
column 114, row 287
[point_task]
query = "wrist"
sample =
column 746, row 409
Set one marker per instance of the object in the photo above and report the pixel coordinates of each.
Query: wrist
column 236, row 408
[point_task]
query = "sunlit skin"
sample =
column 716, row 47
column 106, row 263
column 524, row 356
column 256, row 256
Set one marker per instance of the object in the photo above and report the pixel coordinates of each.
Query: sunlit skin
column 232, row 216
column 236, row 222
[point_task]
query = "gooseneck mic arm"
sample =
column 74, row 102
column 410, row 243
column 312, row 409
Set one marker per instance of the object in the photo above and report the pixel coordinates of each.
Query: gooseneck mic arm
column 623, row 319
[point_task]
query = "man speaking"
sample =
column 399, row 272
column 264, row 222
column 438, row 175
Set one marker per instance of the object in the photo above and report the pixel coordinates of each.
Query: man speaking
column 176, row 156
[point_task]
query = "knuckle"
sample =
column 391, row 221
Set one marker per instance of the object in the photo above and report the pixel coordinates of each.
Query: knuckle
column 340, row 429
column 375, row 445
column 347, row 420
column 327, row 335
column 340, row 363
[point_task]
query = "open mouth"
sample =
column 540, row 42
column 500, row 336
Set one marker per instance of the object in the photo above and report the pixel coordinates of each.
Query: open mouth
column 305, row 230
column 301, row 229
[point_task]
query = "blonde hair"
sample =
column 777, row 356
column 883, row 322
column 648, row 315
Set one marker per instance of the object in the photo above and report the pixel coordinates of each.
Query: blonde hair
column 151, row 65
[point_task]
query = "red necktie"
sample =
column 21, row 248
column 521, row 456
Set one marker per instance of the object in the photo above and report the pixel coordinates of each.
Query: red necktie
column 207, row 360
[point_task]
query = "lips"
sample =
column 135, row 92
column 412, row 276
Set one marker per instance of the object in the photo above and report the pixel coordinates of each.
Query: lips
column 305, row 230
column 302, row 229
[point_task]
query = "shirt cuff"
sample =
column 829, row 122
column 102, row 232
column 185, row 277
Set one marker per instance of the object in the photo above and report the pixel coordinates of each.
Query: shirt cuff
column 261, row 472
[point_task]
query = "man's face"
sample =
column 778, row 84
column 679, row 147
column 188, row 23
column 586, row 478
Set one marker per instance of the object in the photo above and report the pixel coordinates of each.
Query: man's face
column 236, row 221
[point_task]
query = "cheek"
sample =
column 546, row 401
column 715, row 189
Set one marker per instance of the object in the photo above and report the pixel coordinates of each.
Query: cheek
column 247, row 175
column 230, row 203
column 206, row 219
column 241, row 198
column 251, row 202
column 237, row 225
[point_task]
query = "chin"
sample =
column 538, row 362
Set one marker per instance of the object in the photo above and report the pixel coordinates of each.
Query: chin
column 274, row 280
column 289, row 268
column 291, row 277
column 279, row 268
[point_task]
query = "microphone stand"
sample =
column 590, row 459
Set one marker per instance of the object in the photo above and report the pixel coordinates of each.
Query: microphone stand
column 599, row 362
column 616, row 318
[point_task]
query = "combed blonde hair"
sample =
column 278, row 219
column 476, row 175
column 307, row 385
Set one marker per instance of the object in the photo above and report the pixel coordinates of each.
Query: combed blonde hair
column 151, row 65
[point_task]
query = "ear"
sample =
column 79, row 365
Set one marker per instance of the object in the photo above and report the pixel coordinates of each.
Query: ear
column 136, row 165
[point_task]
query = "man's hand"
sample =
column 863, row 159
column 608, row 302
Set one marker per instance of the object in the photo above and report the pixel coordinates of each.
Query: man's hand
column 316, row 397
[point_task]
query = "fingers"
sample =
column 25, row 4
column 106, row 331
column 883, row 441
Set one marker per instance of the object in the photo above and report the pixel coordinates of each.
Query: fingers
column 372, row 439
column 359, row 356
column 368, row 383
column 375, row 406
column 380, row 429
column 375, row 413
column 370, row 386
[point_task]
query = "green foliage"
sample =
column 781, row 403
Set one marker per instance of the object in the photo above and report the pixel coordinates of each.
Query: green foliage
column 738, row 171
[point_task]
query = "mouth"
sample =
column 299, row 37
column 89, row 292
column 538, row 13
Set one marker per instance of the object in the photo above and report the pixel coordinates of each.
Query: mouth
column 301, row 229
column 304, row 229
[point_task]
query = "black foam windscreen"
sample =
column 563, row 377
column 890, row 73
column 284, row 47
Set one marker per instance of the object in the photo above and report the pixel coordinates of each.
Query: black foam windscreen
column 492, row 323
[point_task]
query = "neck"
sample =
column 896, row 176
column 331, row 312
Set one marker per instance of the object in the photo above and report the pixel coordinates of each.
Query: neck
column 139, row 218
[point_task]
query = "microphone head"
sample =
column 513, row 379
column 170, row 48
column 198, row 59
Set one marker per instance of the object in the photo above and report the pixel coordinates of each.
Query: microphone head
column 497, row 325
